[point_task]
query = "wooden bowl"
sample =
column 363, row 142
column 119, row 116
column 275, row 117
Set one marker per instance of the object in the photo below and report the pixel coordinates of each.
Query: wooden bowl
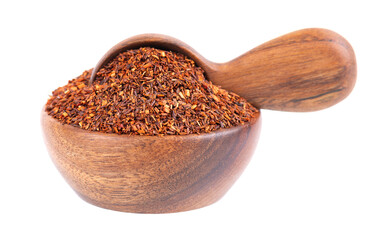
column 150, row 174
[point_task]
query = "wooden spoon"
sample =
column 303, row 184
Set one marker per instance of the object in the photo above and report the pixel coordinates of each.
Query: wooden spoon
column 306, row 70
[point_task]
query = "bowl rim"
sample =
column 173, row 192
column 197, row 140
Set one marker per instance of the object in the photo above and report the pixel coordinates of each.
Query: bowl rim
column 221, row 131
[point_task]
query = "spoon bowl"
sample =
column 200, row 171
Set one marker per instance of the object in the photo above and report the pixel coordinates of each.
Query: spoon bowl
column 150, row 174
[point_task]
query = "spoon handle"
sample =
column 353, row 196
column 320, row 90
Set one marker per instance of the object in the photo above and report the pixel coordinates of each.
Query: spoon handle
column 306, row 70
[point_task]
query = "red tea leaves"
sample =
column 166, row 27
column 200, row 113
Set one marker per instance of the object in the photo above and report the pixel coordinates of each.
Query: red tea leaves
column 148, row 91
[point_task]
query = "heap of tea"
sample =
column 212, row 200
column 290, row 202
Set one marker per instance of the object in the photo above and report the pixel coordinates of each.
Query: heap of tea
column 148, row 91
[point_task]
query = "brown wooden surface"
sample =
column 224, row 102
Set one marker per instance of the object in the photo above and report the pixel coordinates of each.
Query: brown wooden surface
column 307, row 70
column 149, row 174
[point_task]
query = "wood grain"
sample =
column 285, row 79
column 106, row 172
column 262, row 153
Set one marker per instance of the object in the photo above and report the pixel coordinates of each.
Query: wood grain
column 149, row 174
column 307, row 70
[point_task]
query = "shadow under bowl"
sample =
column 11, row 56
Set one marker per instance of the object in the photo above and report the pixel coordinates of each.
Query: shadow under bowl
column 150, row 174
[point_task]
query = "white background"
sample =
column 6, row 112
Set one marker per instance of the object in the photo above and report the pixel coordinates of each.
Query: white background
column 313, row 176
